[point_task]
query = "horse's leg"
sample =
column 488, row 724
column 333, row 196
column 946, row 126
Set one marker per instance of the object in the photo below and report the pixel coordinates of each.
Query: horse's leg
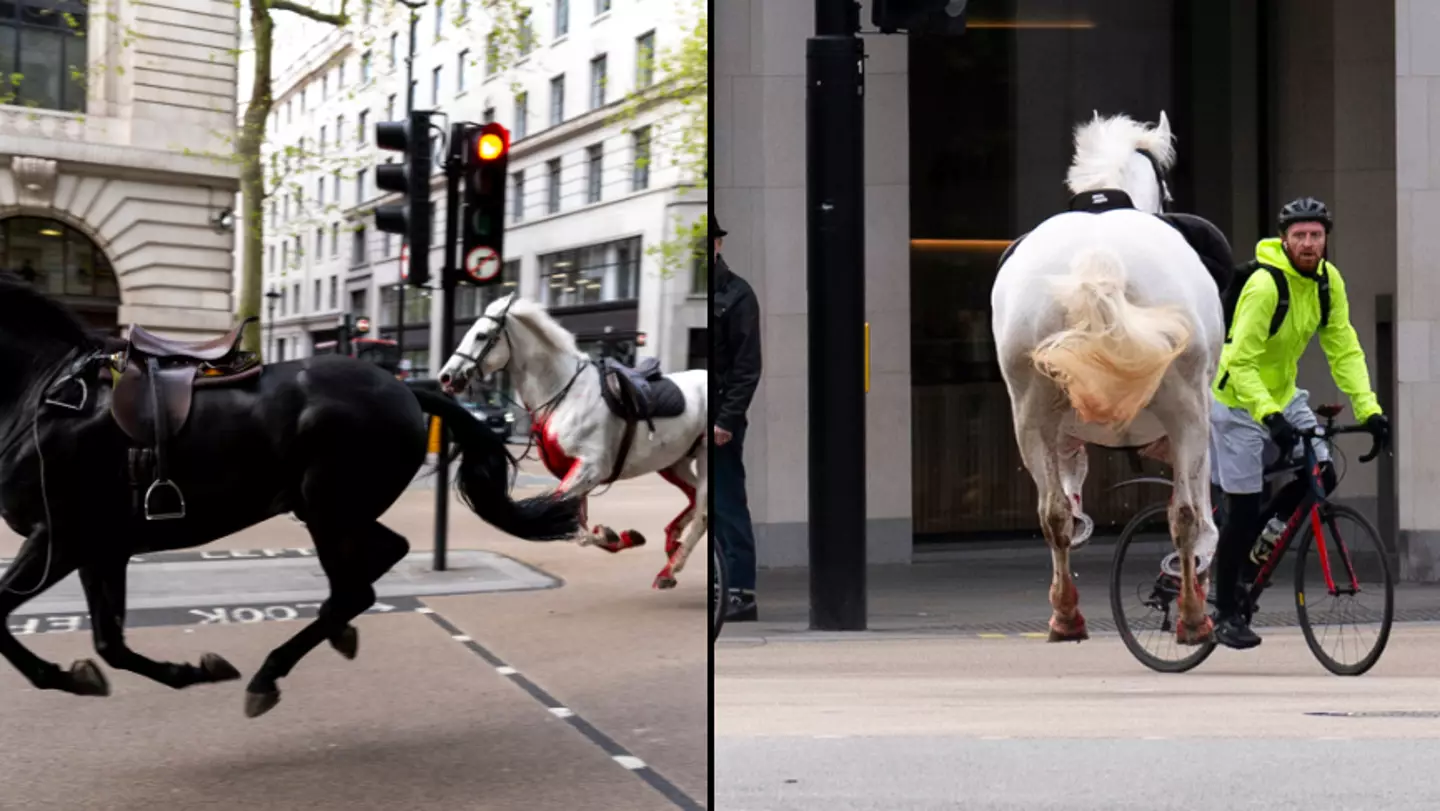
column 1074, row 464
column 350, row 555
column 1037, row 429
column 699, row 517
column 37, row 567
column 1185, row 417
column 585, row 475
column 682, row 476
column 390, row 548
column 104, row 584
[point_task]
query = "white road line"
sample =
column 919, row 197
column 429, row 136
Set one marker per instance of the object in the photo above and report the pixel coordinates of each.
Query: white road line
column 561, row 712
column 460, row 638
column 629, row 761
column 506, row 670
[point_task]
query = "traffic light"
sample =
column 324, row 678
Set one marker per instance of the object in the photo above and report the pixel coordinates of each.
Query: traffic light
column 482, row 226
column 411, row 177
column 919, row 16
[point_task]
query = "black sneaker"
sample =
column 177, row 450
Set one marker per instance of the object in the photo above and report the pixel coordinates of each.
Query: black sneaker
column 1234, row 632
column 742, row 607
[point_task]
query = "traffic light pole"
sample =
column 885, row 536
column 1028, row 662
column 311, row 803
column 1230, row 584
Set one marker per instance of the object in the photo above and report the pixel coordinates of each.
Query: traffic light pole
column 835, row 200
column 409, row 105
column 454, row 163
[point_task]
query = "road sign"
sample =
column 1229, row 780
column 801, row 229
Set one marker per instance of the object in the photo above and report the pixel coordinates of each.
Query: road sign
column 482, row 265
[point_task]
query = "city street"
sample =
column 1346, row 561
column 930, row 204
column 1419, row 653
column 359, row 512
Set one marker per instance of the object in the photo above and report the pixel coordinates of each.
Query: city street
column 541, row 676
column 936, row 717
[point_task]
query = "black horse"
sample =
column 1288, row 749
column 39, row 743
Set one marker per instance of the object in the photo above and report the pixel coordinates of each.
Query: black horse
column 331, row 439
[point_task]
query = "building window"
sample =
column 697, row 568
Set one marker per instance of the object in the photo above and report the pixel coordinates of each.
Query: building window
column 562, row 18
column 324, row 137
column 552, row 192
column 357, row 247
column 601, row 6
column 360, row 190
column 358, row 304
column 394, row 50
column 339, row 131
column 319, row 191
column 590, row 275
column 362, row 123
column 435, row 86
column 390, row 108
column 365, row 65
column 319, row 244
column 557, row 100
column 471, row 301
column 527, row 33
column 597, row 82
column 439, row 19
column 335, row 239
column 594, row 166
column 316, row 302
column 492, row 54
column 517, row 196
column 697, row 355
column 460, row 71
column 700, row 270
column 43, row 54
column 645, row 60
column 641, row 174
column 340, row 77
column 336, row 184
column 334, row 293
column 488, row 116
column 56, row 258
column 522, row 112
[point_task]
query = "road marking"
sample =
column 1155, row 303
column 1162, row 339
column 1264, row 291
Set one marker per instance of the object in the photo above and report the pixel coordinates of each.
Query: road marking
column 991, row 636
column 424, row 609
column 245, row 614
column 1036, row 635
column 618, row 753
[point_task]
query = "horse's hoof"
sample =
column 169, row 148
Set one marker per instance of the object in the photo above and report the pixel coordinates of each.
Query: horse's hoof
column 665, row 580
column 257, row 704
column 347, row 642
column 216, row 669
column 1187, row 634
column 86, row 679
column 606, row 539
column 630, row 539
column 1075, row 632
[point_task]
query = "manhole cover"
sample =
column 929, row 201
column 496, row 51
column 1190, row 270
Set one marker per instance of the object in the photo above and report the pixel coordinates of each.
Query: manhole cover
column 1381, row 714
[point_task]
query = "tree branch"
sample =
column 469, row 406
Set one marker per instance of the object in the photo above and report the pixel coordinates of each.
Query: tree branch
column 306, row 11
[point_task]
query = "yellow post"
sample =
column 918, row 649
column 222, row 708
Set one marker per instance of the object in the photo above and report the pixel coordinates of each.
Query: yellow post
column 867, row 357
column 434, row 435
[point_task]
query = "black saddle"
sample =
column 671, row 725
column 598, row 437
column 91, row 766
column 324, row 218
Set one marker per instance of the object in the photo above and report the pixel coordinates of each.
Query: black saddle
column 1203, row 237
column 642, row 394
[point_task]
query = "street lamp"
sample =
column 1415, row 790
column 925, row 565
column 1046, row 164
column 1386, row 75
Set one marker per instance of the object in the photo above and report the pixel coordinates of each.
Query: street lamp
column 273, row 295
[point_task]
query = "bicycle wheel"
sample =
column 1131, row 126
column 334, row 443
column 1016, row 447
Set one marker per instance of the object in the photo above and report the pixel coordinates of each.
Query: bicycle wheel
column 1357, row 547
column 719, row 585
column 1158, row 592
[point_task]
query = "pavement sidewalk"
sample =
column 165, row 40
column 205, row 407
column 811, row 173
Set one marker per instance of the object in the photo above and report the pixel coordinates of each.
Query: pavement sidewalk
column 1003, row 588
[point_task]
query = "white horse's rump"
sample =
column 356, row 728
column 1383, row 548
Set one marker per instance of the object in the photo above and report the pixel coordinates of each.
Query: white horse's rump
column 1112, row 353
column 1109, row 329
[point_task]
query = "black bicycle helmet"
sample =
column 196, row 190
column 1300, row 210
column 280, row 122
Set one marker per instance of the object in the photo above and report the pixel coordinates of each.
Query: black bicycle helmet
column 1305, row 209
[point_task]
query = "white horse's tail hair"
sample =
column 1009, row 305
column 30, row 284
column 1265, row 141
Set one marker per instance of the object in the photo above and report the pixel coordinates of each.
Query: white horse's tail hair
column 1112, row 354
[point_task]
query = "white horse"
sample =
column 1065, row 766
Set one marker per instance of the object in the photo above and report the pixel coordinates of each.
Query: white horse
column 581, row 440
column 1109, row 331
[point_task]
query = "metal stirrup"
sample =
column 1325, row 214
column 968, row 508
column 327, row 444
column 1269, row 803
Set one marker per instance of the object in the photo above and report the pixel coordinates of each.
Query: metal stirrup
column 150, row 492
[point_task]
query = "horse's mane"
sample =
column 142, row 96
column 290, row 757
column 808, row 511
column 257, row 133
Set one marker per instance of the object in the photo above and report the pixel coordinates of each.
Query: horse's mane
column 25, row 311
column 545, row 326
column 1104, row 147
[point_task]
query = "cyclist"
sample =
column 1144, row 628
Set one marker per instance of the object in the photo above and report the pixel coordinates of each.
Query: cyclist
column 1257, row 406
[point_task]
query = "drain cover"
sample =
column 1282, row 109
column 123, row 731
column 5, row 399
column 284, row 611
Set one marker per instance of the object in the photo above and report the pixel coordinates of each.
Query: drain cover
column 1381, row 714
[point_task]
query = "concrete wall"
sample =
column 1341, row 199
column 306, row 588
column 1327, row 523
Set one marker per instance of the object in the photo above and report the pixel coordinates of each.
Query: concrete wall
column 142, row 171
column 1417, row 145
column 759, row 169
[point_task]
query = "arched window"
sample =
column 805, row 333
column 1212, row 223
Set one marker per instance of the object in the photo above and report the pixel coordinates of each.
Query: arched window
column 43, row 54
column 57, row 258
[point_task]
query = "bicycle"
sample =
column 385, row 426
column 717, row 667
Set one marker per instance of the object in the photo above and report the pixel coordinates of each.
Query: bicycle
column 1164, row 591
column 719, row 584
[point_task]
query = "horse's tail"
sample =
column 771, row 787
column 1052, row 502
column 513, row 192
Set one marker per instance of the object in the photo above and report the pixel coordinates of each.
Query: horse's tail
column 1112, row 354
column 485, row 481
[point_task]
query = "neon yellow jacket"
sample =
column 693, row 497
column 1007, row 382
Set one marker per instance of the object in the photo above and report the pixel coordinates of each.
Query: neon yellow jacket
column 1257, row 372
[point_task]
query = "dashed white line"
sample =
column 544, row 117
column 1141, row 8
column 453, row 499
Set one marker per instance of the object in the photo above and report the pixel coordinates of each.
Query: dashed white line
column 506, row 670
column 460, row 637
column 629, row 761
column 424, row 609
column 561, row 712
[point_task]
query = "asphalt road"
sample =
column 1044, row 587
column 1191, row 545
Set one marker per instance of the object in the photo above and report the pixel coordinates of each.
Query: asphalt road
column 592, row 693
column 932, row 721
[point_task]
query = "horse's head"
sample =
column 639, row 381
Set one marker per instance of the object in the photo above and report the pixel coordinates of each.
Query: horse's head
column 485, row 349
column 36, row 332
column 1121, row 153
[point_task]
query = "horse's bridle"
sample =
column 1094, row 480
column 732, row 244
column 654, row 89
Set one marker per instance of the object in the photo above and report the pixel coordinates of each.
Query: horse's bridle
column 501, row 325
column 494, row 337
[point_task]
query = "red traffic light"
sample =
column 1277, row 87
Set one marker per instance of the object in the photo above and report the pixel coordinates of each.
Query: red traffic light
column 362, row 325
column 492, row 143
column 640, row 339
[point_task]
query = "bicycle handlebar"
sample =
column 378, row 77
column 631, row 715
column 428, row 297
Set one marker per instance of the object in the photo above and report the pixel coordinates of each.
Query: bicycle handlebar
column 1323, row 432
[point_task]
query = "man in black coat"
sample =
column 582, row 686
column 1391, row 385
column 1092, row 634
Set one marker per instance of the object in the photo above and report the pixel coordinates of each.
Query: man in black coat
column 736, row 358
